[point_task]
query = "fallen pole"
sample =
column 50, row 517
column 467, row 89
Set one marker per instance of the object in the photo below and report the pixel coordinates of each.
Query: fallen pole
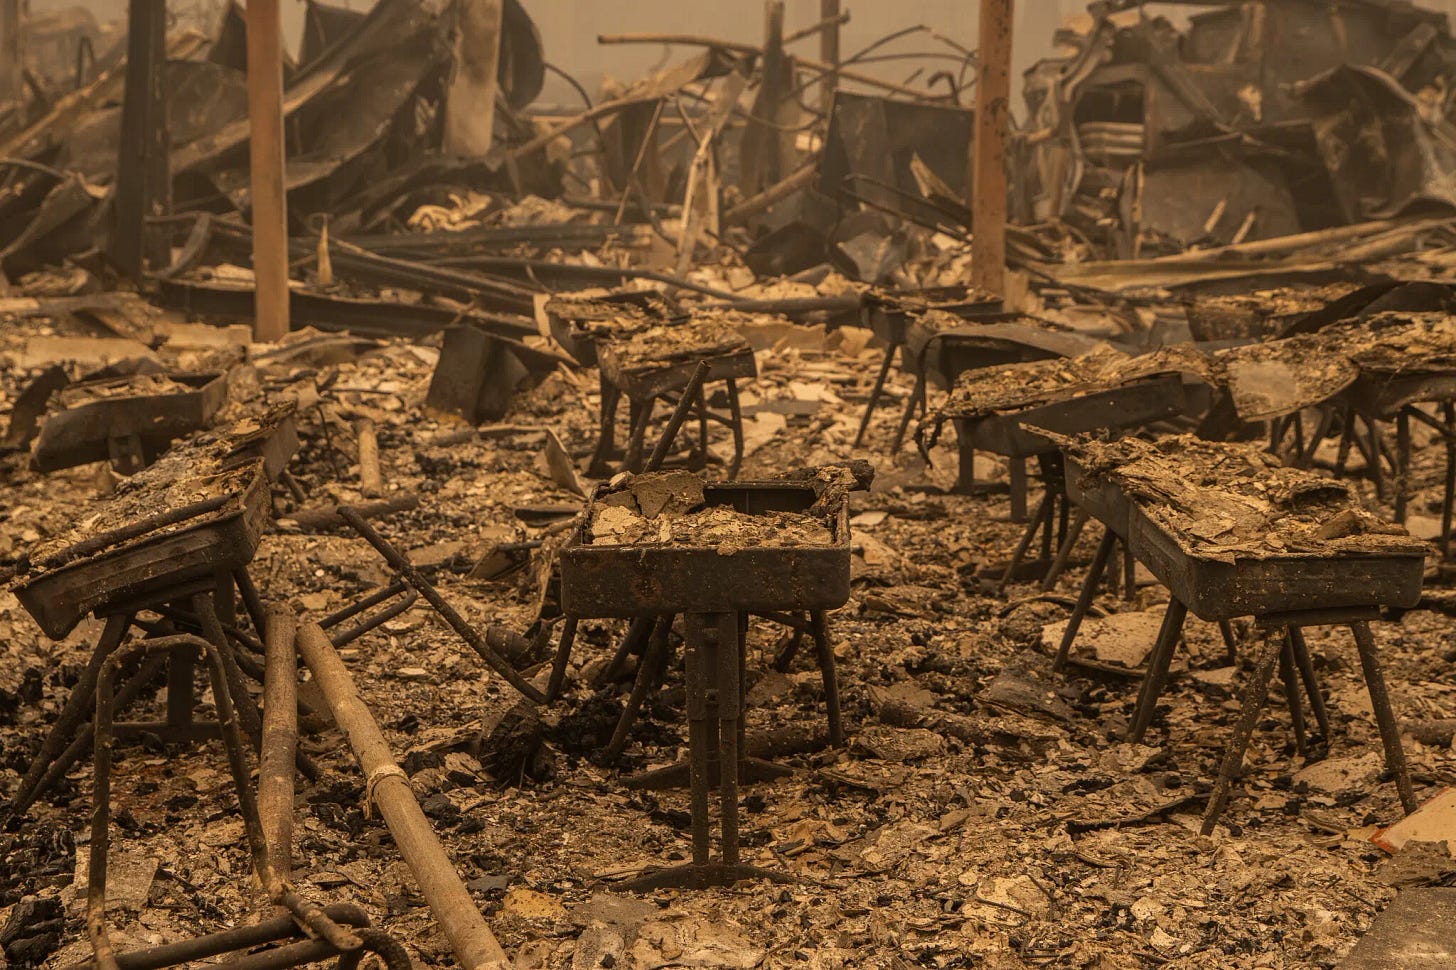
column 280, row 742
column 387, row 787
column 276, row 784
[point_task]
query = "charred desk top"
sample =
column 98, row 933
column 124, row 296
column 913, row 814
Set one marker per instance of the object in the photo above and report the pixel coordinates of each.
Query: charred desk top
column 1231, row 532
column 946, row 344
column 197, row 511
column 738, row 548
column 1003, row 410
column 889, row 313
column 1403, row 359
column 994, row 408
column 577, row 323
column 661, row 358
column 149, row 542
column 1383, row 363
column 149, row 410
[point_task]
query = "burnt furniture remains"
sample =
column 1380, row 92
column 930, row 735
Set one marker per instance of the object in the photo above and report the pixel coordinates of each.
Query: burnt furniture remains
column 127, row 420
column 1003, row 410
column 1232, row 533
column 711, row 555
column 656, row 363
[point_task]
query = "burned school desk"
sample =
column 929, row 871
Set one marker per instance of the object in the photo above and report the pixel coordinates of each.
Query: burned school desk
column 999, row 409
column 714, row 584
column 128, row 421
column 1232, row 533
column 889, row 314
column 940, row 347
column 657, row 363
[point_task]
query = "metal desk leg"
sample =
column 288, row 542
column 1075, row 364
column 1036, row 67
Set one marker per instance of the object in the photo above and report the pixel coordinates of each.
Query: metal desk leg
column 1311, row 684
column 1374, row 456
column 1017, row 468
column 606, row 434
column 735, row 413
column 965, row 460
column 563, row 655
column 1129, row 574
column 1042, row 519
column 1084, row 602
column 1291, row 697
column 1448, row 411
column 875, row 393
column 916, row 396
column 1157, row 672
column 828, row 669
column 701, row 404
column 1347, row 438
column 1230, row 642
column 1064, row 553
column 712, row 673
column 649, row 672
column 641, row 417
column 1403, row 463
column 1255, row 694
column 1384, row 714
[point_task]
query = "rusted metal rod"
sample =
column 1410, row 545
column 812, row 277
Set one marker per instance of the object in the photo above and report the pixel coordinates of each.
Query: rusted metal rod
column 388, row 787
column 276, row 781
column 328, row 518
column 483, row 646
column 679, row 415
column 227, row 941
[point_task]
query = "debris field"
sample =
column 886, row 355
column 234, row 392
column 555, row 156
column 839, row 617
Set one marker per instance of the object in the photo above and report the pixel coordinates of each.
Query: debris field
column 651, row 545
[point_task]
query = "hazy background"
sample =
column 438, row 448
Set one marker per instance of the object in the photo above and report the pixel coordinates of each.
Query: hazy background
column 569, row 28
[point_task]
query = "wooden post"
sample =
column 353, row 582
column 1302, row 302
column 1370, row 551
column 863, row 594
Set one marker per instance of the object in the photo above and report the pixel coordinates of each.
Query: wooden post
column 143, row 183
column 993, row 124
column 768, row 152
column 12, row 84
column 270, row 199
column 829, row 50
column 470, row 97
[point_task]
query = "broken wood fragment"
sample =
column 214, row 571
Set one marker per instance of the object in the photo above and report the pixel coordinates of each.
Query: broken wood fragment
column 371, row 478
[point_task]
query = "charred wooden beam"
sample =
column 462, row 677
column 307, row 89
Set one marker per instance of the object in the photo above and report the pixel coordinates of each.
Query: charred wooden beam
column 143, row 180
column 266, row 149
column 993, row 124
